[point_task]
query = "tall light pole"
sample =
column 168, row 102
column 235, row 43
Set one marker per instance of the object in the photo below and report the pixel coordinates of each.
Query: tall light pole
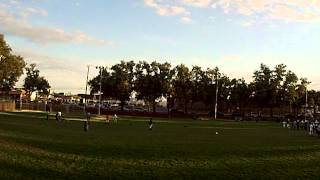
column 305, row 108
column 216, row 101
column 85, row 96
column 217, row 88
column 215, row 76
column 100, row 73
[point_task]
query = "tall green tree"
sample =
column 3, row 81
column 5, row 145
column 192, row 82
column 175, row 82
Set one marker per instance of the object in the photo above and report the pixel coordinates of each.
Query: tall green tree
column 116, row 83
column 240, row 93
column 313, row 99
column 261, row 84
column 182, row 85
column 276, row 88
column 224, row 91
column 34, row 82
column 212, row 85
column 152, row 81
column 199, row 82
column 165, row 76
column 107, row 84
column 301, row 92
column 123, row 79
column 289, row 88
column 145, row 84
column 11, row 66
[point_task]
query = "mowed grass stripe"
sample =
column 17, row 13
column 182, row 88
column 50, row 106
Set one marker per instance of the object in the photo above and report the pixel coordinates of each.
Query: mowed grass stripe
column 35, row 148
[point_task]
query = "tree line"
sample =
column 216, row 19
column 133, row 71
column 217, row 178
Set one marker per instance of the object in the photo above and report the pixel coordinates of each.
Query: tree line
column 11, row 69
column 271, row 87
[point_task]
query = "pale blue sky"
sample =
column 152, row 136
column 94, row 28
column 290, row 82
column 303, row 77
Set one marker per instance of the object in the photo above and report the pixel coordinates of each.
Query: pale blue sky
column 63, row 36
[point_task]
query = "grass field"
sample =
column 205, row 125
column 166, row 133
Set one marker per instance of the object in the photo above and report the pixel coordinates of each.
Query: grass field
column 33, row 148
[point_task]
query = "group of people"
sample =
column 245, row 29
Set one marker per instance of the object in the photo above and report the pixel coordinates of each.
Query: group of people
column 113, row 118
column 311, row 126
column 58, row 115
column 86, row 127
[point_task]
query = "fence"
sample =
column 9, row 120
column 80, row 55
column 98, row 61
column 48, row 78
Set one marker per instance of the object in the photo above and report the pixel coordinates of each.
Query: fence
column 7, row 105
column 65, row 108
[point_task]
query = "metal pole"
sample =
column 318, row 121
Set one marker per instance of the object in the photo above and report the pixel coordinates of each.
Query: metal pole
column 85, row 96
column 216, row 103
column 99, row 111
column 20, row 101
column 305, row 108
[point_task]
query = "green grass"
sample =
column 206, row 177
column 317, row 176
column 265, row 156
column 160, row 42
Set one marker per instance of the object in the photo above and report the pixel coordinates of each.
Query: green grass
column 33, row 148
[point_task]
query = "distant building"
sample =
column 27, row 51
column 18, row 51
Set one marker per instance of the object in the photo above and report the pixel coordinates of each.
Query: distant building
column 8, row 100
column 65, row 99
column 72, row 99
column 15, row 94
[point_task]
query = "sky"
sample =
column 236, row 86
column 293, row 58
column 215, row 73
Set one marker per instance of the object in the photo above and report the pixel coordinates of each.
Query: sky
column 64, row 36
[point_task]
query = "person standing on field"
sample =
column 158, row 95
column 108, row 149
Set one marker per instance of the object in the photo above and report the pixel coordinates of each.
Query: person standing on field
column 115, row 118
column 59, row 116
column 150, row 124
column 108, row 119
column 86, row 122
column 284, row 124
column 311, row 129
column 88, row 116
column 48, row 113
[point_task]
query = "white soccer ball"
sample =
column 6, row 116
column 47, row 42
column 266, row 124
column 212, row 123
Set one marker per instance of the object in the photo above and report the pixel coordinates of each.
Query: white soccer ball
column 217, row 133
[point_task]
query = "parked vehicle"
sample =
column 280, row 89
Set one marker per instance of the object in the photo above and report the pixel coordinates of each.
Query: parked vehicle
column 219, row 114
column 90, row 105
column 139, row 109
column 237, row 115
column 253, row 115
column 128, row 108
column 176, row 111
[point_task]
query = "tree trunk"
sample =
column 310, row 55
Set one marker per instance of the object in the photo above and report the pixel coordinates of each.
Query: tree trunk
column 191, row 105
column 154, row 106
column 271, row 111
column 28, row 97
column 186, row 107
column 122, row 105
column 168, row 105
column 280, row 109
column 290, row 108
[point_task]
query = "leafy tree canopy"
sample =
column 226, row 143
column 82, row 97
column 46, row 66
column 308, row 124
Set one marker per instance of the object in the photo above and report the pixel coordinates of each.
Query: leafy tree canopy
column 11, row 66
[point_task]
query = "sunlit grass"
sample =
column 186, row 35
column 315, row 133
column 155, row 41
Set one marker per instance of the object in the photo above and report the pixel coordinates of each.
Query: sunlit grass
column 31, row 147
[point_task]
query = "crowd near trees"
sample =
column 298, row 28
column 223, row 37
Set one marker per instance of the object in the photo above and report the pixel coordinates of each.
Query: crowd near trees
column 271, row 87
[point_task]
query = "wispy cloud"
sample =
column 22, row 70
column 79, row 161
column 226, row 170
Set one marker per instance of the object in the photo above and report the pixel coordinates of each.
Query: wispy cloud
column 17, row 23
column 36, row 11
column 168, row 9
column 289, row 10
column 247, row 23
column 197, row 3
column 186, row 20
column 63, row 73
